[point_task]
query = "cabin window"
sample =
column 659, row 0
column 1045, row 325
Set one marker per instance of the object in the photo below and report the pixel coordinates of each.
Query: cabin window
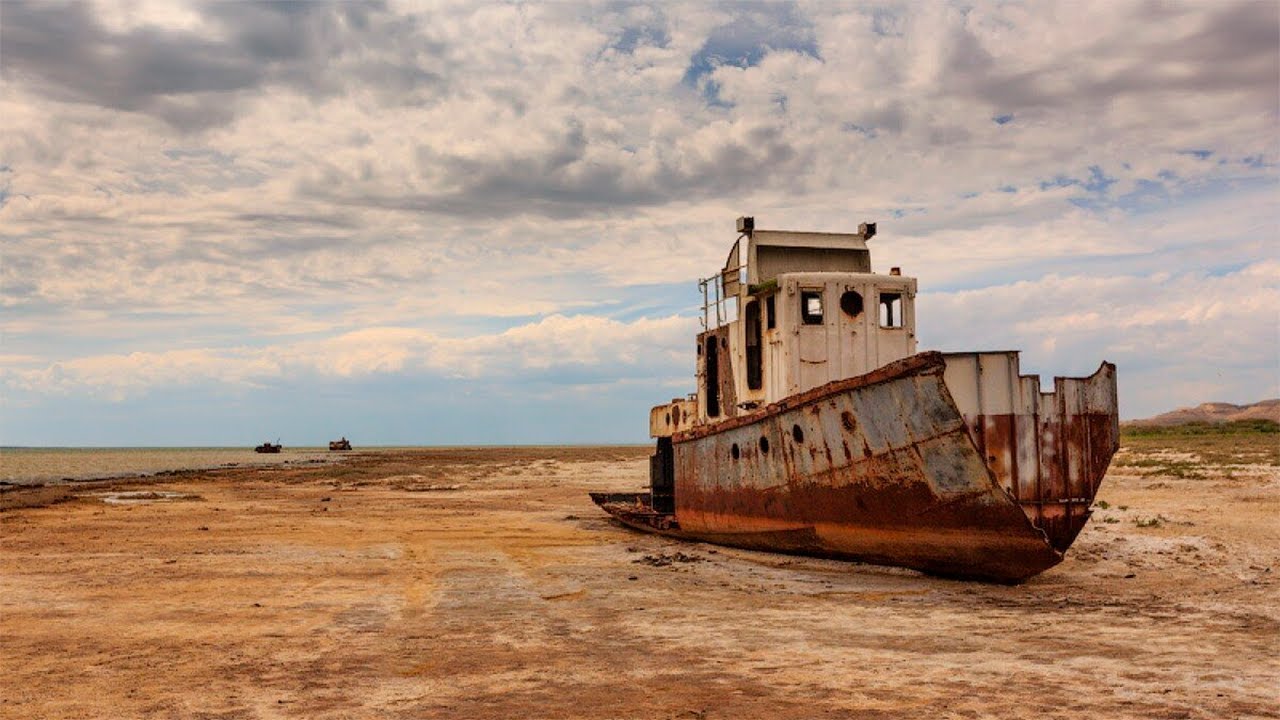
column 851, row 303
column 713, row 378
column 755, row 353
column 771, row 320
column 891, row 310
column 811, row 307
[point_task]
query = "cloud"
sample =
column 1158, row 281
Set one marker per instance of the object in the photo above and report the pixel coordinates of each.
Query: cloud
column 564, row 349
column 754, row 31
column 194, row 78
column 238, row 192
column 1225, row 51
column 1152, row 326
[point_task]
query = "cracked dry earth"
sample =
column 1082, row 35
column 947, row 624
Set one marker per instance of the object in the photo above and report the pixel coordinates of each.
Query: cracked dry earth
column 484, row 584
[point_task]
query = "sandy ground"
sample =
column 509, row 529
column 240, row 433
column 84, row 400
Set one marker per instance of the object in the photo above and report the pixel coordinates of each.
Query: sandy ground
column 484, row 584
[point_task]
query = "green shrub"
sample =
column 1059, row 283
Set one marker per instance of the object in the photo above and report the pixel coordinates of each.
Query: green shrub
column 1235, row 427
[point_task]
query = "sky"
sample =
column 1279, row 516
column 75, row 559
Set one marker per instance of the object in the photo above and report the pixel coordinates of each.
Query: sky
column 225, row 222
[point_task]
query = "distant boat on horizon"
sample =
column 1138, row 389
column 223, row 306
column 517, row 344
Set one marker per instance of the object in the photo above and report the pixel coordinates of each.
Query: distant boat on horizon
column 267, row 447
column 343, row 444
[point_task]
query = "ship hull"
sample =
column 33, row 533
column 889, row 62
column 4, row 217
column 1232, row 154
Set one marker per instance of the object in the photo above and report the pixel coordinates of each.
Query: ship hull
column 884, row 468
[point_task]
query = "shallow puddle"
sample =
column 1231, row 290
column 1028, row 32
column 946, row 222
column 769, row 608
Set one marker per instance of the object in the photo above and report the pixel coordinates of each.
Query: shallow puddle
column 136, row 497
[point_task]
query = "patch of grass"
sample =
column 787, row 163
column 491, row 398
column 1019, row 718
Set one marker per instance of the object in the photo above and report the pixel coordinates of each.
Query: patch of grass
column 1154, row 522
column 1235, row 427
column 1184, row 469
column 1210, row 449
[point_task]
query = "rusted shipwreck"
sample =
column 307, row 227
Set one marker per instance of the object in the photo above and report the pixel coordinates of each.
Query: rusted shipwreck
column 340, row 445
column 819, row 429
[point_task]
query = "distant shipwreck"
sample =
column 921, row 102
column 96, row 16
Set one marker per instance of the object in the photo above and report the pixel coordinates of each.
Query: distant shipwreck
column 818, row 429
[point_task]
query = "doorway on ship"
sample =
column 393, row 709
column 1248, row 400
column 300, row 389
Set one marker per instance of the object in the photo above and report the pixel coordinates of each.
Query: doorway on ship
column 662, row 477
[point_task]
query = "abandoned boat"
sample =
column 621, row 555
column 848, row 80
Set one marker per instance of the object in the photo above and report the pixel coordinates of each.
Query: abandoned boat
column 343, row 444
column 267, row 447
column 818, row 428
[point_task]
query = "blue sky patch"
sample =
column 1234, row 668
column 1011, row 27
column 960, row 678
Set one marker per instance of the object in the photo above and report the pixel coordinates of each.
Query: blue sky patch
column 1098, row 182
column 644, row 36
column 744, row 42
column 1058, row 181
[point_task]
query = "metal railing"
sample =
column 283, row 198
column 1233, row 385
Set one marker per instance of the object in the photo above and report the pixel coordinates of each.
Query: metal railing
column 712, row 301
column 718, row 289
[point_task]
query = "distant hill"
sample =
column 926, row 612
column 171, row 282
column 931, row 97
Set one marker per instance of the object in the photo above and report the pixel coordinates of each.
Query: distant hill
column 1214, row 412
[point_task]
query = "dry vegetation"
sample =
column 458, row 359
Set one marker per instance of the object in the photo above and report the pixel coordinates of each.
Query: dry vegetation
column 1200, row 449
column 482, row 583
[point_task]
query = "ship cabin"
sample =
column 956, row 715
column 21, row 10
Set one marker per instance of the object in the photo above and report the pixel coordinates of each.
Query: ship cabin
column 789, row 312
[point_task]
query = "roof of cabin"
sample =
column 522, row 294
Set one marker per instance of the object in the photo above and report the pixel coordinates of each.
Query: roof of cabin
column 773, row 252
column 788, row 238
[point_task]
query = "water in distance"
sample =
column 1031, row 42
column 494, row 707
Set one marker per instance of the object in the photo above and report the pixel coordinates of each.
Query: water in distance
column 45, row 465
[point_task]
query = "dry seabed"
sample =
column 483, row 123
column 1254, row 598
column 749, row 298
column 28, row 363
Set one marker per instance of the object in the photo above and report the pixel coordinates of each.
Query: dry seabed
column 484, row 584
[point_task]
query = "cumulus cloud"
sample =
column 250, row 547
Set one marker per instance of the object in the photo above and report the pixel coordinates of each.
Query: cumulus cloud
column 1222, row 330
column 232, row 190
column 193, row 75
column 576, row 348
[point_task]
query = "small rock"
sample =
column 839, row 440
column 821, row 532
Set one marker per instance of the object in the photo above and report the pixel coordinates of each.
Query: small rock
column 664, row 559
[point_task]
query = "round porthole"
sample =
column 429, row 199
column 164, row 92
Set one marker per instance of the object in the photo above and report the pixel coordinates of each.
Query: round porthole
column 797, row 434
column 764, row 445
column 851, row 303
column 735, row 452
